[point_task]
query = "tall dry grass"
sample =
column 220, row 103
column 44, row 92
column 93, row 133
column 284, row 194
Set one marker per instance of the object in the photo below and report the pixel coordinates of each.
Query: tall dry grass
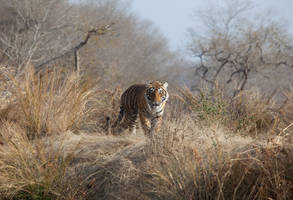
column 33, row 169
column 259, row 172
column 195, row 161
column 253, row 112
column 205, row 149
column 33, row 163
column 50, row 104
column 105, row 108
column 286, row 110
column 189, row 161
column 249, row 112
column 207, row 163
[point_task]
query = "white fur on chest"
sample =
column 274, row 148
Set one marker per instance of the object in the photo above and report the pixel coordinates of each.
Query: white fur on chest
column 156, row 111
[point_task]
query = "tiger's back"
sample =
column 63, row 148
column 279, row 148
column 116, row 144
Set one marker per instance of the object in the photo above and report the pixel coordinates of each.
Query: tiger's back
column 146, row 101
column 132, row 98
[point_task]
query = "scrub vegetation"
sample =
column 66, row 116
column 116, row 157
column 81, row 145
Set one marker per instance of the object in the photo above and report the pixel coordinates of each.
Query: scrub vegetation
column 226, row 134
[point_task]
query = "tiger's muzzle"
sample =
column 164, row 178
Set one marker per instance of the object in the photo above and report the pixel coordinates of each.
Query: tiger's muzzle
column 154, row 104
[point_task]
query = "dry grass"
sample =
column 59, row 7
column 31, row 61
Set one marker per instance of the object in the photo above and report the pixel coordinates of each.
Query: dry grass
column 286, row 110
column 217, row 165
column 186, row 161
column 197, row 154
column 248, row 112
column 254, row 113
column 51, row 104
column 32, row 165
column 106, row 104
column 32, row 169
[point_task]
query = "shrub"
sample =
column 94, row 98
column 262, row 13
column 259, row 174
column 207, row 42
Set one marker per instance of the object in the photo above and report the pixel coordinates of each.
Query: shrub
column 215, row 170
column 207, row 107
column 253, row 113
column 105, row 108
column 32, row 169
column 248, row 111
column 51, row 103
column 286, row 111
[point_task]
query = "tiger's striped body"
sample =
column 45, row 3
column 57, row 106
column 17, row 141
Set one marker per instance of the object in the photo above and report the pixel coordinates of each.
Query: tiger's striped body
column 146, row 101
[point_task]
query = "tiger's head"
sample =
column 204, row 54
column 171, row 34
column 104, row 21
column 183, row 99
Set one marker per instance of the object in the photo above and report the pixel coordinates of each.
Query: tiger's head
column 156, row 94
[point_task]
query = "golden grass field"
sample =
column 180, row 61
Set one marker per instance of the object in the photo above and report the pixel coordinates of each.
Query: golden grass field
column 53, row 145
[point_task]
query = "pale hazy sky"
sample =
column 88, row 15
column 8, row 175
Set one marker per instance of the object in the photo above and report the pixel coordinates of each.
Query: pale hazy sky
column 173, row 17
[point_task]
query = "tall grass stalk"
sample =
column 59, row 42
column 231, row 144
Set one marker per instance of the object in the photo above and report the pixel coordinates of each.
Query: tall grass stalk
column 51, row 103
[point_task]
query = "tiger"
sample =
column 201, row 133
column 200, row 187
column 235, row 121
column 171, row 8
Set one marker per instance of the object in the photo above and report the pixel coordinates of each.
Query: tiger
column 146, row 101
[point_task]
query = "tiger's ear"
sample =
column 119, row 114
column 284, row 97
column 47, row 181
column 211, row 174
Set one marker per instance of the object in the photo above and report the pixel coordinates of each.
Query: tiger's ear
column 148, row 83
column 165, row 85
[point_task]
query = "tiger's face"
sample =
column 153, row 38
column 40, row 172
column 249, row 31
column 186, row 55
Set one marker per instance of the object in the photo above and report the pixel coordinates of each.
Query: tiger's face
column 156, row 94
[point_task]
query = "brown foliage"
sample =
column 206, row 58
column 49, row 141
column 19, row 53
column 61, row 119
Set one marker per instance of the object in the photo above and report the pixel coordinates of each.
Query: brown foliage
column 52, row 104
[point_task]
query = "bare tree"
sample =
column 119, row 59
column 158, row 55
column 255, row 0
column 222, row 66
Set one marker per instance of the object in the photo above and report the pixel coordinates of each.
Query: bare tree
column 234, row 46
column 52, row 32
column 75, row 50
column 39, row 29
column 134, row 50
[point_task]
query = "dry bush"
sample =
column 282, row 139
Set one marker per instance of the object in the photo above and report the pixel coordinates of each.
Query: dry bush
column 286, row 110
column 6, row 100
column 247, row 112
column 191, row 176
column 50, row 104
column 254, row 113
column 33, row 169
column 188, row 161
column 185, row 160
column 208, row 108
column 105, row 108
column 204, row 165
column 176, row 108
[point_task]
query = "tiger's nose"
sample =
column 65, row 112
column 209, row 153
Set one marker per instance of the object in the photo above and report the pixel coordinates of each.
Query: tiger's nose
column 156, row 103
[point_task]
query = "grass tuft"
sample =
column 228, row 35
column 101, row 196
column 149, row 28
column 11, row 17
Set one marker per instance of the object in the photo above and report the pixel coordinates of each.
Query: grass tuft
column 32, row 169
column 51, row 104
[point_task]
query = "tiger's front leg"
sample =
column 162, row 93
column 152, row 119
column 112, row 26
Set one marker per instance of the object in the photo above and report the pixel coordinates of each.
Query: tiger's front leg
column 156, row 124
column 145, row 124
